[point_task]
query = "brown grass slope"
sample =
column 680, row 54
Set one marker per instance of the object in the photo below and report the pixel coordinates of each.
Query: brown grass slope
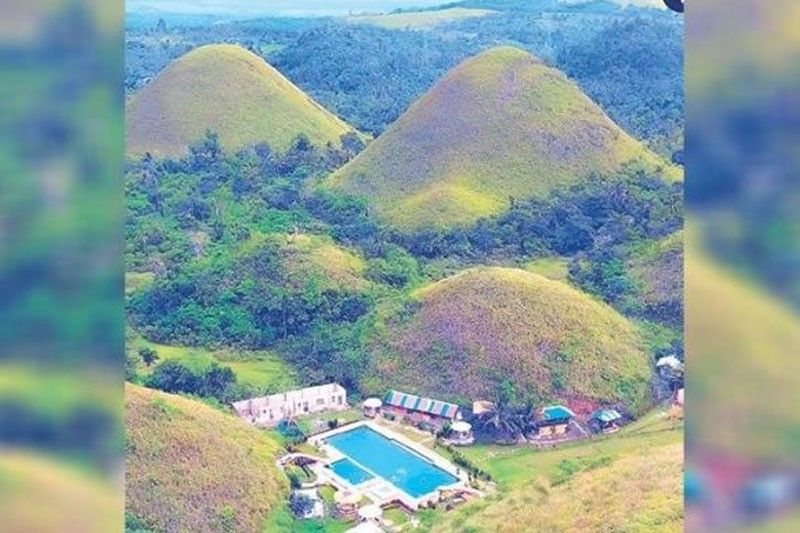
column 486, row 325
column 640, row 492
column 231, row 91
column 190, row 467
column 502, row 124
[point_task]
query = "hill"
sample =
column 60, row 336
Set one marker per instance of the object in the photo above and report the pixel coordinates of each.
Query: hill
column 190, row 467
column 231, row 91
column 500, row 125
column 306, row 257
column 473, row 331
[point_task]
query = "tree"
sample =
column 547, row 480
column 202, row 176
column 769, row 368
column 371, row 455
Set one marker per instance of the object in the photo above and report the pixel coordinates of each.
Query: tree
column 172, row 376
column 216, row 381
column 148, row 355
column 301, row 505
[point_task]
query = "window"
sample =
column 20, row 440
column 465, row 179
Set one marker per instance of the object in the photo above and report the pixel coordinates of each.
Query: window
column 320, row 401
column 340, row 400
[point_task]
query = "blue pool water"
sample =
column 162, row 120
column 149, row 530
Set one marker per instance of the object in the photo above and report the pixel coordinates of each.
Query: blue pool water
column 350, row 471
column 390, row 460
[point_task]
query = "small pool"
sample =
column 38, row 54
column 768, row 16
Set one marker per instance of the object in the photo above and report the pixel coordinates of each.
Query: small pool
column 373, row 453
column 350, row 471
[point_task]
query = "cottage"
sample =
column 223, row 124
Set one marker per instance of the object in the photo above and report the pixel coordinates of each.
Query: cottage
column 461, row 434
column 554, row 421
column 419, row 409
column 606, row 420
column 372, row 407
column 268, row 411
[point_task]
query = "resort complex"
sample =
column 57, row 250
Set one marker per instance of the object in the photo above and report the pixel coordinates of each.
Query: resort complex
column 390, row 454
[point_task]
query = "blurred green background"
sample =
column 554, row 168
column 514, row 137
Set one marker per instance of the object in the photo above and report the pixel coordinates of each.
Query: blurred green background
column 61, row 316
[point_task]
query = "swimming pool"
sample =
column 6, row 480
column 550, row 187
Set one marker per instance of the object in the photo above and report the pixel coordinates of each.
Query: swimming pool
column 350, row 471
column 373, row 453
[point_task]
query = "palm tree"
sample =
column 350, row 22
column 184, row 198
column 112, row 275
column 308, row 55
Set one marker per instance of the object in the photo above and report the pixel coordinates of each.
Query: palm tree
column 501, row 423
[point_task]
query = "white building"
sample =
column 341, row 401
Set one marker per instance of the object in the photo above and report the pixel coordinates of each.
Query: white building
column 268, row 411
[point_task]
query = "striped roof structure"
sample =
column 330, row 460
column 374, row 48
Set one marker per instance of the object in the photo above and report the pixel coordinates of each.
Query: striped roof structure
column 421, row 405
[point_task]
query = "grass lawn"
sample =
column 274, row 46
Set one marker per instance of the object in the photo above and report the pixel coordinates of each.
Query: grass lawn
column 283, row 520
column 513, row 466
column 554, row 268
column 345, row 417
column 261, row 369
column 397, row 516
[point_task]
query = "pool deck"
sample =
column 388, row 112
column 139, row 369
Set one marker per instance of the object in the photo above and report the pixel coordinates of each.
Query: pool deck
column 378, row 489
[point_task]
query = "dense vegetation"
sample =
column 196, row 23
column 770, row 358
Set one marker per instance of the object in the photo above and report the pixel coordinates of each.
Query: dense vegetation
column 246, row 257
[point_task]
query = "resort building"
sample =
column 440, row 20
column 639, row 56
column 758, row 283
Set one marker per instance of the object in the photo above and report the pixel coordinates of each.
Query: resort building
column 461, row 434
column 606, row 420
column 372, row 407
column 419, row 409
column 555, row 421
column 268, row 411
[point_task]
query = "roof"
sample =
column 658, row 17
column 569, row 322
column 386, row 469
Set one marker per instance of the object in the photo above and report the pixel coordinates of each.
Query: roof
column 670, row 361
column 607, row 415
column 482, row 406
column 290, row 397
column 373, row 403
column 556, row 412
column 421, row 404
column 461, row 427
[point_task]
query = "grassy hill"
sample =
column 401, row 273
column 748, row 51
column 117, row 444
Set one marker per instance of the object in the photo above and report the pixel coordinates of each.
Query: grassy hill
column 419, row 20
column 231, row 91
column 501, row 124
column 632, row 481
column 474, row 330
column 41, row 494
column 309, row 256
column 190, row 467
